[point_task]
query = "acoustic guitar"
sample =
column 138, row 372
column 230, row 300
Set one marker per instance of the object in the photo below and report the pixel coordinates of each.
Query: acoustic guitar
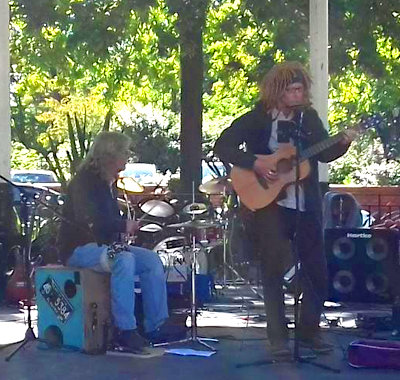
column 254, row 191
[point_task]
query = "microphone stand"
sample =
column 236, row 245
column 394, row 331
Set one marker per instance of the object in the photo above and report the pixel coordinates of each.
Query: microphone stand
column 28, row 208
column 296, row 355
column 295, row 250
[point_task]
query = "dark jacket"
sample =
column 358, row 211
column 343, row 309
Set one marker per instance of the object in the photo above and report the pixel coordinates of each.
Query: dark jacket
column 253, row 130
column 91, row 214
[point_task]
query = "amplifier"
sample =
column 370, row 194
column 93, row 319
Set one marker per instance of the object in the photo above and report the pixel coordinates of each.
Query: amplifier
column 73, row 307
column 363, row 264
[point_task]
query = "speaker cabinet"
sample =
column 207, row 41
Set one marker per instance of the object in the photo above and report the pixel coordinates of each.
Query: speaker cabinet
column 73, row 307
column 362, row 264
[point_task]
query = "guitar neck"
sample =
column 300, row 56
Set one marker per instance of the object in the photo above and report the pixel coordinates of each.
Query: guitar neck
column 320, row 147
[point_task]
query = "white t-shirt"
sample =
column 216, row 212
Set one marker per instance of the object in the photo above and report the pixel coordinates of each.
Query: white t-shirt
column 290, row 200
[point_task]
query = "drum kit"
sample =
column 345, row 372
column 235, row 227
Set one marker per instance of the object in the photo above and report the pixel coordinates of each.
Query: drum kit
column 179, row 230
column 183, row 235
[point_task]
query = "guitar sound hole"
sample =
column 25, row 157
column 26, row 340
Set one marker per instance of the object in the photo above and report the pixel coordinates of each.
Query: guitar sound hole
column 284, row 166
column 263, row 182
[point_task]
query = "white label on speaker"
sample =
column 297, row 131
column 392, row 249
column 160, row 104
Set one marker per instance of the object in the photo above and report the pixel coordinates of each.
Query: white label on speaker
column 58, row 302
column 361, row 235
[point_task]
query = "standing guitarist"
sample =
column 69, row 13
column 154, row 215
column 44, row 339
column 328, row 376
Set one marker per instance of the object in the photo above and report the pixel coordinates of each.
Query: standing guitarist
column 285, row 96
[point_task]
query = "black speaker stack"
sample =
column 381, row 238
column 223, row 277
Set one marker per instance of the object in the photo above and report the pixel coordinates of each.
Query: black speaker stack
column 363, row 264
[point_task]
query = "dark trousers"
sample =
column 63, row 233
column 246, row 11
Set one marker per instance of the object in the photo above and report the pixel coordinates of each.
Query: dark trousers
column 275, row 228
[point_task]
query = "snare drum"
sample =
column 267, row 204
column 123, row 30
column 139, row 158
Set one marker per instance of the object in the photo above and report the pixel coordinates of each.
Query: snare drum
column 210, row 236
column 175, row 252
column 171, row 253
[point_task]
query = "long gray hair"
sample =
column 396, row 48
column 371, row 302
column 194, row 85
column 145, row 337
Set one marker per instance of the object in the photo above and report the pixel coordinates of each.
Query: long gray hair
column 106, row 147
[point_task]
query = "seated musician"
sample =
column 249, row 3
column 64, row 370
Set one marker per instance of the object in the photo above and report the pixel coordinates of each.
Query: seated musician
column 89, row 234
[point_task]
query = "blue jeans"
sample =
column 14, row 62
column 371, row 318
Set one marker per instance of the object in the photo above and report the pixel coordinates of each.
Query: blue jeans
column 135, row 261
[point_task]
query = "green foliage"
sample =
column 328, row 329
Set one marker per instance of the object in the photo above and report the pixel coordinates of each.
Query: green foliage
column 191, row 16
column 76, row 63
column 153, row 141
column 22, row 158
column 365, row 165
column 354, row 93
column 233, row 48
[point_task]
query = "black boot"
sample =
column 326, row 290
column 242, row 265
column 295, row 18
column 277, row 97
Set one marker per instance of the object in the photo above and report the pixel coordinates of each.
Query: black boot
column 131, row 341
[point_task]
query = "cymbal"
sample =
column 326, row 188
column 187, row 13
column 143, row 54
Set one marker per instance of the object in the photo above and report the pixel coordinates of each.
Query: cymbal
column 195, row 208
column 151, row 227
column 157, row 208
column 129, row 185
column 194, row 224
column 220, row 185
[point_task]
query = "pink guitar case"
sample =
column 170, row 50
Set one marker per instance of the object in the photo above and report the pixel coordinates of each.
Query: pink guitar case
column 374, row 354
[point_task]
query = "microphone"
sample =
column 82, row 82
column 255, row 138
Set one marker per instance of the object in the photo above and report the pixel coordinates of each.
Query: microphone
column 300, row 106
column 292, row 129
column 285, row 130
column 298, row 119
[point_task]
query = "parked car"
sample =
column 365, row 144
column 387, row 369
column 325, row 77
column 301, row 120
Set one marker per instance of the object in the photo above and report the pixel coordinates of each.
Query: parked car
column 143, row 173
column 45, row 178
column 34, row 181
column 209, row 170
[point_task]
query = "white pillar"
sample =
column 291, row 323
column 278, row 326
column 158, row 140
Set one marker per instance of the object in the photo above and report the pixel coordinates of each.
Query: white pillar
column 5, row 130
column 319, row 64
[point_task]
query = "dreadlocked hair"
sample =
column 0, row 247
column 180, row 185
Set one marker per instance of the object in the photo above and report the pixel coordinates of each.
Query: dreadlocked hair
column 278, row 78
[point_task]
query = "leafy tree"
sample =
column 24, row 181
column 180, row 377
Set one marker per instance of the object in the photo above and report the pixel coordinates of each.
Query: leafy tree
column 73, row 60
column 191, row 17
column 44, row 133
column 153, row 140
column 66, row 67
column 112, row 53
column 364, row 64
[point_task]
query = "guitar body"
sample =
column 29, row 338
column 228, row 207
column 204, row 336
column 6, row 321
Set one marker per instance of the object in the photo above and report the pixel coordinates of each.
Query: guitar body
column 254, row 192
column 17, row 288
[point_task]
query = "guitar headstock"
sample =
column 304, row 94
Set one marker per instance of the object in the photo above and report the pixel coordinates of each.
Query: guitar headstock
column 387, row 129
column 373, row 121
column 364, row 124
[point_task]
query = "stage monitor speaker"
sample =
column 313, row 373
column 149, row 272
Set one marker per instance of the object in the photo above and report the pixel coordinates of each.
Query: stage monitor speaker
column 362, row 264
column 73, row 307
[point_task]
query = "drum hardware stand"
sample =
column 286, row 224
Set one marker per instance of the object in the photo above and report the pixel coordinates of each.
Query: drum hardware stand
column 225, row 257
column 225, row 264
column 223, row 222
column 232, row 269
column 193, row 308
column 28, row 208
column 225, row 250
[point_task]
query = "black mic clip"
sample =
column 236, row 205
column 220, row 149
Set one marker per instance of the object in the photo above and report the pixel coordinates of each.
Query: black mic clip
column 209, row 157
